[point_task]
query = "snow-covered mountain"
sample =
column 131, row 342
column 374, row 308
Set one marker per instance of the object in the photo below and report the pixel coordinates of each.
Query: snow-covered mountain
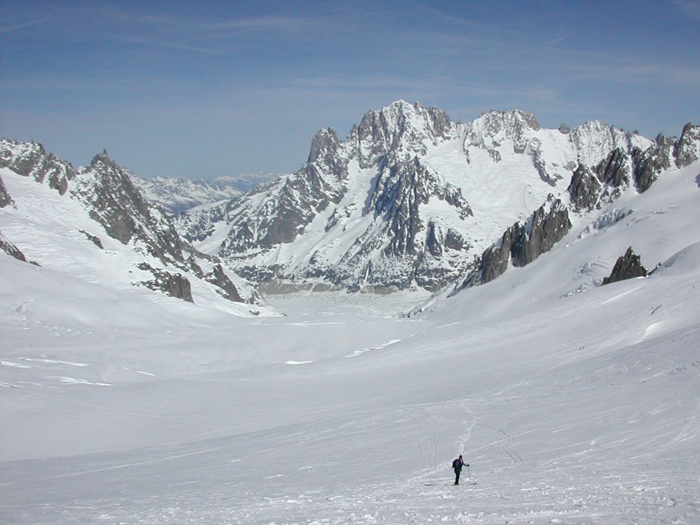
column 412, row 200
column 179, row 194
column 93, row 224
column 573, row 402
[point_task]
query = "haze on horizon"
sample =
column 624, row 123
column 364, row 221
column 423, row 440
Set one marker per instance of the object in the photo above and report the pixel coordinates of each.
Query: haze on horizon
column 209, row 90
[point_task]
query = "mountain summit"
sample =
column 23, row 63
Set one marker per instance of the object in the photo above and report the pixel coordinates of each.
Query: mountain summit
column 411, row 199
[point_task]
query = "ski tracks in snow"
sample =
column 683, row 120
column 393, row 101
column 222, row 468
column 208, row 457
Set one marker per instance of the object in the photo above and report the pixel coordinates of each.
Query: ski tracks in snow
column 506, row 446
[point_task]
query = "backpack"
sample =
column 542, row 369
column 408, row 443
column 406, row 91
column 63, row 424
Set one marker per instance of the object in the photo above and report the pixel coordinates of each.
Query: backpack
column 456, row 464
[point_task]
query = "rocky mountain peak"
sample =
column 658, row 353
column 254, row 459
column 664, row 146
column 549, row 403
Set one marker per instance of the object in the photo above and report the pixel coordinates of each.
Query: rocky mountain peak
column 510, row 122
column 103, row 159
column 107, row 205
column 324, row 144
column 400, row 130
column 411, row 199
column 493, row 128
column 687, row 148
column 30, row 159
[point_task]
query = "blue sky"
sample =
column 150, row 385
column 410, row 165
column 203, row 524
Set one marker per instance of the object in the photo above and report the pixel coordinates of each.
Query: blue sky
column 203, row 89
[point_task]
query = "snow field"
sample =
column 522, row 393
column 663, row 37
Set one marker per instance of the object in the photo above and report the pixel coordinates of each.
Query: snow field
column 570, row 407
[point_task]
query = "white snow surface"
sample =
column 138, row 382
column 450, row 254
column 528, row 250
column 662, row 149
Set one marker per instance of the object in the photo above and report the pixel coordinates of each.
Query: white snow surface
column 52, row 229
column 572, row 402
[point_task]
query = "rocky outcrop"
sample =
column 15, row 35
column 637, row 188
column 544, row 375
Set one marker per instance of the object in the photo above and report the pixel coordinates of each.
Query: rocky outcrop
column 279, row 213
column 106, row 193
column 584, row 189
column 649, row 163
column 409, row 198
column 546, row 227
column 31, row 160
column 94, row 239
column 5, row 198
column 614, row 173
column 687, row 149
column 397, row 196
column 602, row 184
column 10, row 249
column 628, row 266
column 593, row 187
column 170, row 283
column 522, row 243
column 225, row 287
column 394, row 249
column 398, row 133
column 115, row 203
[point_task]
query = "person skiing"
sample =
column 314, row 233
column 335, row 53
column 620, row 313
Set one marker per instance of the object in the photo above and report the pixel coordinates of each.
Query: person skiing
column 457, row 465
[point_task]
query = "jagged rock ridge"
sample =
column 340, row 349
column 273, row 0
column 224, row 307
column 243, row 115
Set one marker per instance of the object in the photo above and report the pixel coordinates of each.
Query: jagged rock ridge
column 627, row 266
column 410, row 199
column 103, row 199
column 522, row 243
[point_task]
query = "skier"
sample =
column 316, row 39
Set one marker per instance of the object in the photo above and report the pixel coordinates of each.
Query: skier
column 457, row 465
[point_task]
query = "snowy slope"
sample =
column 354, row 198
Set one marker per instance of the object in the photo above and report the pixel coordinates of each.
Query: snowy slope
column 409, row 198
column 572, row 402
column 91, row 223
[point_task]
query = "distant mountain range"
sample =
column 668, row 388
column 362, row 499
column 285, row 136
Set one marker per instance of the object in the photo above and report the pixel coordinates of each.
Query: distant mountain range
column 180, row 194
column 413, row 200
column 409, row 200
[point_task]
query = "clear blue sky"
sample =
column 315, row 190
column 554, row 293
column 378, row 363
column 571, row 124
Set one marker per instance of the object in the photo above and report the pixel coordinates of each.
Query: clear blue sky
column 203, row 89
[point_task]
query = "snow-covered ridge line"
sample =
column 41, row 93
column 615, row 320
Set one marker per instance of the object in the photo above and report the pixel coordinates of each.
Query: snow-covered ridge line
column 409, row 198
column 94, row 223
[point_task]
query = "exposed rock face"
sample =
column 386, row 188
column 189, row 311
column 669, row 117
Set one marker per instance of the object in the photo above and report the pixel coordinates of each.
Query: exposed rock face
column 10, row 249
column 584, row 189
column 593, row 187
column 628, row 266
column 397, row 197
column 406, row 199
column 107, row 195
column 522, row 243
column 31, row 160
column 172, row 284
column 398, row 132
column 93, row 238
column 387, row 146
column 687, row 149
column 409, row 199
column 547, row 226
column 224, row 285
column 614, row 173
column 279, row 213
column 5, row 199
column 114, row 202
column 648, row 164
